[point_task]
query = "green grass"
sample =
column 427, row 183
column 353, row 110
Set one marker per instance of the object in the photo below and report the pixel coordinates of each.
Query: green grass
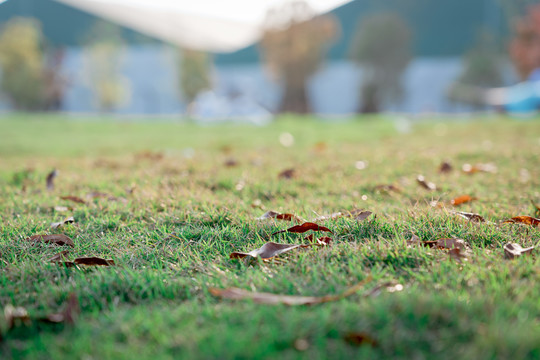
column 172, row 236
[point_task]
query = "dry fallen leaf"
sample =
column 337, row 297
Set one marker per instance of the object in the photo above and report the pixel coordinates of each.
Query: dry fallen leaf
column 231, row 162
column 449, row 244
column 387, row 188
column 50, row 179
column 275, row 215
column 287, row 174
column 69, row 220
column 323, row 241
column 471, row 169
column 58, row 239
column 457, row 254
column 445, row 167
column 470, row 216
column 93, row 261
column 361, row 214
column 73, row 198
column 360, row 338
column 421, row 180
column 524, row 219
column 304, row 227
column 267, row 251
column 462, row 200
column 291, row 300
column 513, row 250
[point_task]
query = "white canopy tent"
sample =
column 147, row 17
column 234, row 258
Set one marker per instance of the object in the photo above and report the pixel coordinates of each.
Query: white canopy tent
column 209, row 25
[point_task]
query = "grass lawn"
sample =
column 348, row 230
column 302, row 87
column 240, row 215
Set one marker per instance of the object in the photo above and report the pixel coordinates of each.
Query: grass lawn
column 180, row 198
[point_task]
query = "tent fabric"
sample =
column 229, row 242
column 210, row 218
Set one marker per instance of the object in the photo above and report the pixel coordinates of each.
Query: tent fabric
column 211, row 25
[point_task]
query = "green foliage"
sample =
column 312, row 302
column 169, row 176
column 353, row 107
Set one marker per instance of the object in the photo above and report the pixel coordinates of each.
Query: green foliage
column 21, row 60
column 103, row 61
column 194, row 73
column 382, row 47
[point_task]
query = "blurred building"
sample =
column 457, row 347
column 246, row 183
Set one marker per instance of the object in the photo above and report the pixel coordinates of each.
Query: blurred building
column 443, row 31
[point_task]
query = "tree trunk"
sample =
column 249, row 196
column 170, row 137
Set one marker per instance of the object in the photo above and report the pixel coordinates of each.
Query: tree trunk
column 295, row 99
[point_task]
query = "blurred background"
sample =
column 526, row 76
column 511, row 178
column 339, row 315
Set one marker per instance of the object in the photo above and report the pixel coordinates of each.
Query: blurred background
column 249, row 60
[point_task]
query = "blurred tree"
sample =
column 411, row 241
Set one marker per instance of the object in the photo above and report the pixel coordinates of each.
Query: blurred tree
column 381, row 46
column 21, row 59
column 103, row 48
column 524, row 47
column 293, row 46
column 481, row 69
column 194, row 74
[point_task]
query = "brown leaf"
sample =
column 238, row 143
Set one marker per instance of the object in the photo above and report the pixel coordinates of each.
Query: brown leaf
column 524, row 219
column 470, row 216
column 415, row 240
column 457, row 254
column 361, row 214
column 449, row 244
column 387, row 188
column 73, row 198
column 69, row 220
column 304, row 227
column 58, row 257
column 231, row 162
column 267, row 251
column 513, row 250
column 275, row 215
column 360, row 338
column 50, row 179
column 93, row 261
column 58, row 239
column 471, row 169
column 421, row 180
column 287, row 174
column 462, row 200
column 291, row 300
column 445, row 167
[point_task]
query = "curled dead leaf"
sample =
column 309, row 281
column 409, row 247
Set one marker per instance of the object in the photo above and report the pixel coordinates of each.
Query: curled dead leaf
column 387, row 188
column 360, row 338
column 523, row 219
column 462, row 200
column 457, row 254
column 470, row 216
column 471, row 169
column 449, row 244
column 275, row 215
column 93, row 261
column 57, row 239
column 75, row 199
column 421, row 180
column 291, row 300
column 287, row 174
column 445, row 167
column 50, row 179
column 267, row 251
column 56, row 225
column 302, row 228
column 513, row 250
